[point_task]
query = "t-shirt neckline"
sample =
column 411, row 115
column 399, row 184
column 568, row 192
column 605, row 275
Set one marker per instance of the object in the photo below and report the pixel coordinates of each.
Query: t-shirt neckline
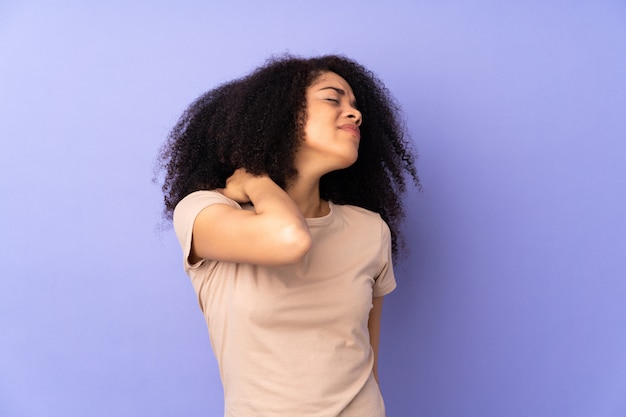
column 318, row 221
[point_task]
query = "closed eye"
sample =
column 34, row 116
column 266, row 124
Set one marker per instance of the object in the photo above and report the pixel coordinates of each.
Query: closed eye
column 341, row 93
column 334, row 100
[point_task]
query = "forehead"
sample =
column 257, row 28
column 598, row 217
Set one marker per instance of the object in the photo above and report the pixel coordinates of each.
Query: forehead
column 332, row 79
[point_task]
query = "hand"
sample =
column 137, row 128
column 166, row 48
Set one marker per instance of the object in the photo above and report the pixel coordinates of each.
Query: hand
column 236, row 185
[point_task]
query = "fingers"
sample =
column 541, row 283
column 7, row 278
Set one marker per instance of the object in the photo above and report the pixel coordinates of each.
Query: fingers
column 236, row 185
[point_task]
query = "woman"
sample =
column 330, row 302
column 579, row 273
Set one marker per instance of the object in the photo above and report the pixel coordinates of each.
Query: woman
column 285, row 191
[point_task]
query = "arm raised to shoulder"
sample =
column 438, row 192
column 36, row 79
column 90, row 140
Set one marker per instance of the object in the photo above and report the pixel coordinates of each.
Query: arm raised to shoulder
column 275, row 233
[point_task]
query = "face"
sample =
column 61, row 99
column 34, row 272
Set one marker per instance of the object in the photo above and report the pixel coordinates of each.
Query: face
column 331, row 132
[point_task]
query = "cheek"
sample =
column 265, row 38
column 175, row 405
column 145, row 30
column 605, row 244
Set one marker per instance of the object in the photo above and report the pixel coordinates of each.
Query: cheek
column 312, row 129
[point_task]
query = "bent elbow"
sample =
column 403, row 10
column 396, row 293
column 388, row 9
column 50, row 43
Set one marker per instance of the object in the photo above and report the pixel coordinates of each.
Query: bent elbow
column 296, row 241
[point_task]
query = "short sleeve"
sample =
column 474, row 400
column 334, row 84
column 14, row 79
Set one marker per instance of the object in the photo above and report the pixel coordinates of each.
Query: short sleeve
column 385, row 282
column 185, row 214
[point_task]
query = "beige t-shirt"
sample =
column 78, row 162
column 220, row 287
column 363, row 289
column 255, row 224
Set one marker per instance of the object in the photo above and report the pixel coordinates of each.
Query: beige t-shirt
column 293, row 341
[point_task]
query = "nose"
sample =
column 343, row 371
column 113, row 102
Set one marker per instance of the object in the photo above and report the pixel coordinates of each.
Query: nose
column 355, row 115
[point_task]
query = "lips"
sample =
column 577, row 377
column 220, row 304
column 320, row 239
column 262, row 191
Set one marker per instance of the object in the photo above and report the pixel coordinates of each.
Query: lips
column 352, row 129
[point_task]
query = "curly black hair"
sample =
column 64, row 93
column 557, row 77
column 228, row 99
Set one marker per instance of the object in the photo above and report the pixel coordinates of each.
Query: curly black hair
column 256, row 122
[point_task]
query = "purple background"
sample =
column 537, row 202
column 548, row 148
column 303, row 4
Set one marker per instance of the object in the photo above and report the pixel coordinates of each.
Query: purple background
column 512, row 301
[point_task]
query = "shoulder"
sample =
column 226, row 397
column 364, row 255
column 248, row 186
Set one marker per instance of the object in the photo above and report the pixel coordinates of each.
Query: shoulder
column 357, row 213
column 188, row 208
column 205, row 197
column 364, row 218
column 201, row 199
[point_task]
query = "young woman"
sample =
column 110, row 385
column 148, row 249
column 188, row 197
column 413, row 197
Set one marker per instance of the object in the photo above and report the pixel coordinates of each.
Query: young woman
column 285, row 191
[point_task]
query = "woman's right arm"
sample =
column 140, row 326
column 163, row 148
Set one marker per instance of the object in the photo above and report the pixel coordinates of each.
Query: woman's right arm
column 275, row 233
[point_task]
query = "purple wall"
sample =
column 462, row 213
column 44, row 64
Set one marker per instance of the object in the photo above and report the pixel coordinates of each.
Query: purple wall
column 512, row 299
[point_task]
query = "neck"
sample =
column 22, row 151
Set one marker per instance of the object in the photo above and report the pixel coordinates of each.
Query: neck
column 306, row 194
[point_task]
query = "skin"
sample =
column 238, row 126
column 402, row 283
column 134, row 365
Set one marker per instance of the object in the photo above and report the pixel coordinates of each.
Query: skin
column 276, row 232
column 374, row 329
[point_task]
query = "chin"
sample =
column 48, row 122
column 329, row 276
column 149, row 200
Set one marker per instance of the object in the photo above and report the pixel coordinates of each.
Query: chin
column 349, row 162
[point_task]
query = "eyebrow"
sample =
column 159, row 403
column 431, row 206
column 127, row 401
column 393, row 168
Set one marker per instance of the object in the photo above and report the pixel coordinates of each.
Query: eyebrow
column 339, row 91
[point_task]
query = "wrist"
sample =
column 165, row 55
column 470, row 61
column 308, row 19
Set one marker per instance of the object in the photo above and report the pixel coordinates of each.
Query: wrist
column 255, row 185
